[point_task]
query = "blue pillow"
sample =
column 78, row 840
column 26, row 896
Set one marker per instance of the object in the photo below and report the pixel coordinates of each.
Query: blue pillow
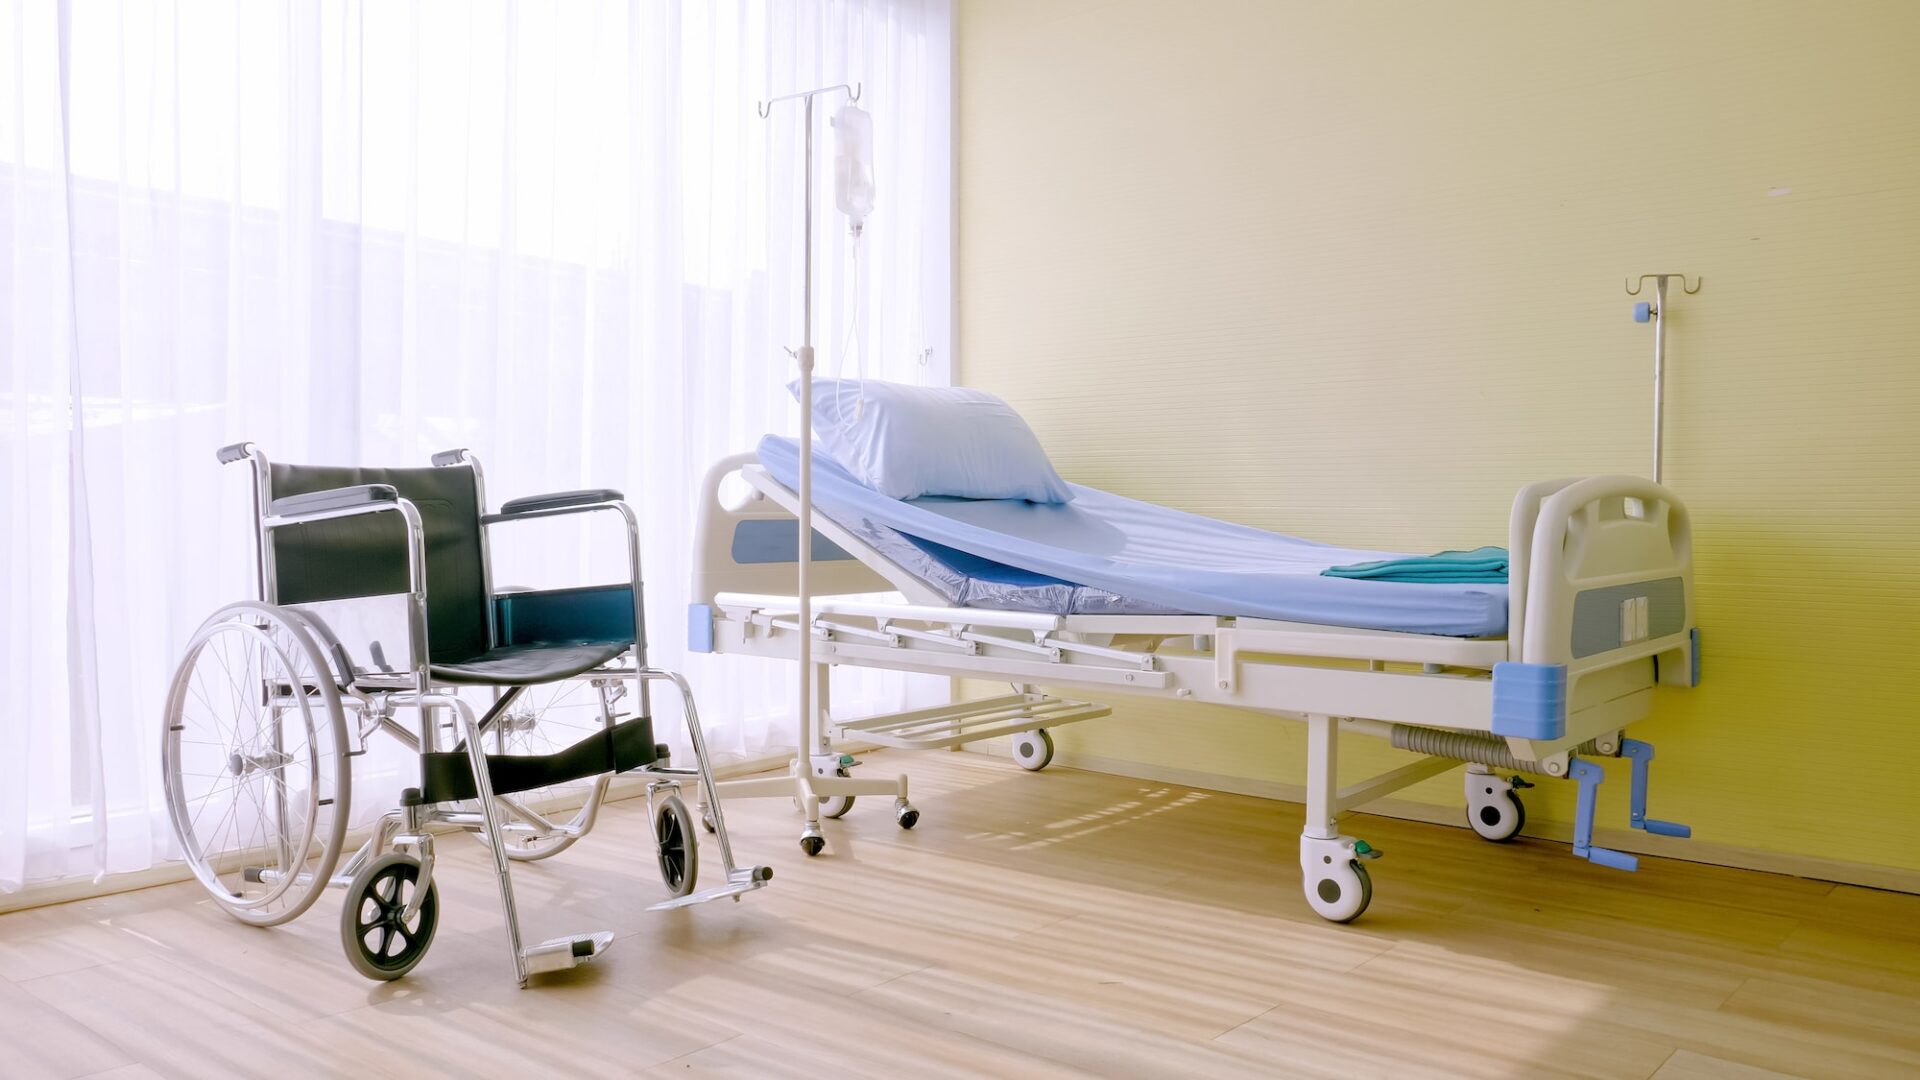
column 908, row 441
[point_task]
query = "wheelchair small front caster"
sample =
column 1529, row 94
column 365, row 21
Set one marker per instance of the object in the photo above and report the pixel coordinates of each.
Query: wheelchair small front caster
column 380, row 943
column 812, row 842
column 905, row 814
column 678, row 851
column 706, row 818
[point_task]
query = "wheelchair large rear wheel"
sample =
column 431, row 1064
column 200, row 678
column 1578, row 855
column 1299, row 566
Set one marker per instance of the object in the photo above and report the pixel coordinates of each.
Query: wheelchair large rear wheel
column 254, row 763
column 545, row 720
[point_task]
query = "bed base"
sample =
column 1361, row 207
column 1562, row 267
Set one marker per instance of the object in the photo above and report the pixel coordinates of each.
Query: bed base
column 1601, row 602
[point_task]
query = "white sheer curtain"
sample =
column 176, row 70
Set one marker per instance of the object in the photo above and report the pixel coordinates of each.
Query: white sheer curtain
column 555, row 233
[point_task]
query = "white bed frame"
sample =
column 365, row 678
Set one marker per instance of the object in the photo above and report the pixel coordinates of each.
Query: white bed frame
column 1601, row 607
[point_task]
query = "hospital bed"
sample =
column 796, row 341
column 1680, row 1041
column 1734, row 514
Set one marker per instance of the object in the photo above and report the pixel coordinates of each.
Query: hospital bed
column 1107, row 595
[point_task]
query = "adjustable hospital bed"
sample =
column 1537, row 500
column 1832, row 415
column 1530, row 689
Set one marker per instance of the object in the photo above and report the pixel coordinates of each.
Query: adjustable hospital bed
column 1107, row 595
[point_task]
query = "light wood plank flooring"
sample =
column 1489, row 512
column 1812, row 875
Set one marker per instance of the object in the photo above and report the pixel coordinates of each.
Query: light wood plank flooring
column 1057, row 924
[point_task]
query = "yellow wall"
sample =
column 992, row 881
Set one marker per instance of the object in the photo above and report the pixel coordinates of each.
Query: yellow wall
column 1353, row 271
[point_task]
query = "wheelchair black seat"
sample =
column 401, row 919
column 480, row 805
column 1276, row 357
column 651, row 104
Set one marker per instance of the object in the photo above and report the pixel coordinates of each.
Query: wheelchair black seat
column 533, row 662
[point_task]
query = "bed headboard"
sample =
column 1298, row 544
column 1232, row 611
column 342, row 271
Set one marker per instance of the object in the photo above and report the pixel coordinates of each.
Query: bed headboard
column 752, row 545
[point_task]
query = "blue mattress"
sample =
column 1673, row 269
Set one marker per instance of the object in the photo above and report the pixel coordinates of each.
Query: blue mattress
column 1103, row 553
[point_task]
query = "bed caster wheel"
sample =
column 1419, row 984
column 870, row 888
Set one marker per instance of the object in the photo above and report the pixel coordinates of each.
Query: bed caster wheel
column 812, row 842
column 1494, row 809
column 1341, row 893
column 832, row 806
column 1033, row 750
column 381, row 944
column 905, row 814
column 677, row 850
column 836, row 806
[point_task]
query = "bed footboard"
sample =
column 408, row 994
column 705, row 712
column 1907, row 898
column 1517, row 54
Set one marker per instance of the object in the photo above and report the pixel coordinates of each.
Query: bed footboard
column 1601, row 599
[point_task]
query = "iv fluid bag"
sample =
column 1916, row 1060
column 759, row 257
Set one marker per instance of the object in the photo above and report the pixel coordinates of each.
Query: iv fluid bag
column 853, row 163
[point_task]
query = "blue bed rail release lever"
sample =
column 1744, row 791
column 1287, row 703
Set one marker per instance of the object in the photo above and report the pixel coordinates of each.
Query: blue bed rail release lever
column 1589, row 775
column 1641, row 754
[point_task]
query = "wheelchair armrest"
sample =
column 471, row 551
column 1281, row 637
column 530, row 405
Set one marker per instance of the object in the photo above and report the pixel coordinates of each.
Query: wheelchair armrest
column 322, row 502
column 559, row 500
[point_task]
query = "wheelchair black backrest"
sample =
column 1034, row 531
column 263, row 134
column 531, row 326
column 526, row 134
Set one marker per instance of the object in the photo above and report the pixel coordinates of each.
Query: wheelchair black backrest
column 349, row 557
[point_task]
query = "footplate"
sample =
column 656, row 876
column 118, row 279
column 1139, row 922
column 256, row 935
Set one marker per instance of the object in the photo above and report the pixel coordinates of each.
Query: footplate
column 741, row 881
column 562, row 953
column 970, row 721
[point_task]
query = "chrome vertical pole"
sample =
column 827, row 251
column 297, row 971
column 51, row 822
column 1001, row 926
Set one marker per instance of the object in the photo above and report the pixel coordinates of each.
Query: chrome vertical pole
column 810, row 742
column 805, row 356
column 1659, row 370
column 1655, row 311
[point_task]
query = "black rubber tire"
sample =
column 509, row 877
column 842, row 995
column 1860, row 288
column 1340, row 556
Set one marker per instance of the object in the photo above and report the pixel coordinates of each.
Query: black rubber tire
column 1366, row 892
column 676, row 847
column 377, row 883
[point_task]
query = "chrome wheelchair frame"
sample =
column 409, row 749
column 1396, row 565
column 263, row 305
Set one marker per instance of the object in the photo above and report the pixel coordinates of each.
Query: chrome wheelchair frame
column 286, row 775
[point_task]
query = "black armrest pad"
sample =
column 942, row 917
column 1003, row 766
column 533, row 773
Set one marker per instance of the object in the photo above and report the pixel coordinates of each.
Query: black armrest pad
column 559, row 500
column 344, row 498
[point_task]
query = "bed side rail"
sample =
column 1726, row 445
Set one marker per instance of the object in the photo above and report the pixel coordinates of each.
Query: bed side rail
column 753, row 546
column 1607, row 577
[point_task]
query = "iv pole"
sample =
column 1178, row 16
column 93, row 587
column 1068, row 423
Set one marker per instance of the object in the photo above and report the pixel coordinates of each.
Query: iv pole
column 1657, row 311
column 818, row 771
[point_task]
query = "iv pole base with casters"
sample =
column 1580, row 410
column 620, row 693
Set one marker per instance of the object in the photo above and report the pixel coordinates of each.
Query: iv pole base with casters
column 818, row 775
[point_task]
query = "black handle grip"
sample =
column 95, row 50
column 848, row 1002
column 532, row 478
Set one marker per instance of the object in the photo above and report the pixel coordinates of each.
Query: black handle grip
column 230, row 454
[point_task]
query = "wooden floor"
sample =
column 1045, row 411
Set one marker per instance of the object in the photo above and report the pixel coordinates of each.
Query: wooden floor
column 1033, row 925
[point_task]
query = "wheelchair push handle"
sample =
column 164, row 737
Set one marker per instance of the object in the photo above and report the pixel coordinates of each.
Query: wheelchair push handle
column 239, row 451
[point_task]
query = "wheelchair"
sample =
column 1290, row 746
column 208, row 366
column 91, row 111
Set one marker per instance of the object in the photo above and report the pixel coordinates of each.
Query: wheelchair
column 275, row 698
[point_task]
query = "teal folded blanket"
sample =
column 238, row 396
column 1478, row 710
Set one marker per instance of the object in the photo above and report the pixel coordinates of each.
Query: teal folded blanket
column 1487, row 565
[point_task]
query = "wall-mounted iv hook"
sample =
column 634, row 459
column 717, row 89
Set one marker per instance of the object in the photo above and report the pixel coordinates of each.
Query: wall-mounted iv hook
column 765, row 108
column 1633, row 287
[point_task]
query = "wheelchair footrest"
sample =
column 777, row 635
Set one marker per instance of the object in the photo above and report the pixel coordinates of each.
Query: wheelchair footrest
column 743, row 880
column 448, row 776
column 562, row 953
